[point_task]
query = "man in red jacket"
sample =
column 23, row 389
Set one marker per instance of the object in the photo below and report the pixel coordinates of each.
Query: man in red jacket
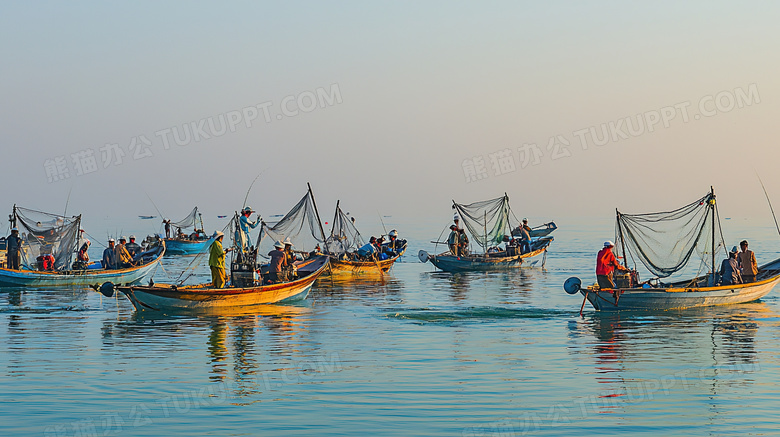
column 606, row 263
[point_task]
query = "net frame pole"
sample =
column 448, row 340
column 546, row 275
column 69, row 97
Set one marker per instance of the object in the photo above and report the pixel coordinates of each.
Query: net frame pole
column 712, row 211
column 622, row 240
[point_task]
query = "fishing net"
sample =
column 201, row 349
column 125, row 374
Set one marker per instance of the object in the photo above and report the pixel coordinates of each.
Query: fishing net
column 43, row 233
column 188, row 222
column 344, row 236
column 300, row 225
column 486, row 221
column 665, row 241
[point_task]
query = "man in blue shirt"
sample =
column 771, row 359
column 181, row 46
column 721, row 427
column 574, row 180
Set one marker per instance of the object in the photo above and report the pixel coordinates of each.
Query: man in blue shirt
column 109, row 256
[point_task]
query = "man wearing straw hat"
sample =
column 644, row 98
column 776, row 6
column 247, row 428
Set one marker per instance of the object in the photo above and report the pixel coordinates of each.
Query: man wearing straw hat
column 217, row 261
column 278, row 262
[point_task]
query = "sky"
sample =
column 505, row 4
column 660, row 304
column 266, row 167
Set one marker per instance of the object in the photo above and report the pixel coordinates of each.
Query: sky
column 571, row 108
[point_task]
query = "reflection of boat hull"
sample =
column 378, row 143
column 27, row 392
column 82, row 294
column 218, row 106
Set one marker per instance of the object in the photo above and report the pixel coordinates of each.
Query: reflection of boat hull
column 478, row 263
column 678, row 296
column 346, row 267
column 165, row 297
column 33, row 278
column 186, row 247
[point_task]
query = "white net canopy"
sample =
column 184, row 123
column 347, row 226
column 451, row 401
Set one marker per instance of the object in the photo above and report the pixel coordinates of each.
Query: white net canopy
column 301, row 225
column 665, row 241
column 487, row 221
column 43, row 233
column 344, row 236
column 188, row 222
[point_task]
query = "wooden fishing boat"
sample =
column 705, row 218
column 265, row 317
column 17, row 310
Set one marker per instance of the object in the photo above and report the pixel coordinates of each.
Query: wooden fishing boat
column 483, row 263
column 664, row 242
column 88, row 277
column 678, row 295
column 350, row 267
column 187, row 247
column 168, row 297
column 488, row 222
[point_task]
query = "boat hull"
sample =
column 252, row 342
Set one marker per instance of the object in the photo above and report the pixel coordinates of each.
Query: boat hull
column 186, row 247
column 32, row 278
column 677, row 298
column 477, row 263
column 202, row 297
column 346, row 267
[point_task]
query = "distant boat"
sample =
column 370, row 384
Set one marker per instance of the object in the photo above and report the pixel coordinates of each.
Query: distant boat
column 221, row 216
column 146, row 217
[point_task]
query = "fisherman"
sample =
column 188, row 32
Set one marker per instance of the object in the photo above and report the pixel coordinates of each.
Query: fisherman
column 317, row 250
column 606, row 263
column 278, row 262
column 463, row 242
column 245, row 225
column 123, row 258
column 82, row 258
column 289, row 258
column 729, row 269
column 109, row 256
column 132, row 247
column 525, row 237
column 167, row 223
column 180, row 234
column 452, row 241
column 747, row 263
column 456, row 219
column 393, row 244
column 14, row 250
column 368, row 249
column 217, row 261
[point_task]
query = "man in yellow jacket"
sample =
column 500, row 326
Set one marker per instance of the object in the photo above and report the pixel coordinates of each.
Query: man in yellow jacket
column 217, row 261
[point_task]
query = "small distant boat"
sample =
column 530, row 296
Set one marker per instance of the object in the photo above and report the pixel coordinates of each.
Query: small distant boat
column 345, row 239
column 221, row 216
column 638, row 232
column 147, row 217
column 196, row 298
column 189, row 243
column 488, row 223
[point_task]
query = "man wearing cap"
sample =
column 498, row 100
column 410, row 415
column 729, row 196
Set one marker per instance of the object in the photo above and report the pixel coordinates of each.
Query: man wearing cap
column 463, row 242
column 747, row 263
column 14, row 250
column 729, row 269
column 606, row 263
column 278, row 262
column 245, row 226
column 217, row 261
column 109, row 256
column 132, row 247
column 456, row 219
column 289, row 259
column 453, row 240
column 525, row 237
column 122, row 256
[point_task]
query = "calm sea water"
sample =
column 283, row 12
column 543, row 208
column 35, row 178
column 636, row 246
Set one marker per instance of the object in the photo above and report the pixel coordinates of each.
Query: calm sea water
column 418, row 352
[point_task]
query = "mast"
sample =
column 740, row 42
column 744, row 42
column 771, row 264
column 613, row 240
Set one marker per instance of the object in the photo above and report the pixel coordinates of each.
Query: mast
column 622, row 240
column 712, row 211
column 335, row 218
column 319, row 222
column 486, row 243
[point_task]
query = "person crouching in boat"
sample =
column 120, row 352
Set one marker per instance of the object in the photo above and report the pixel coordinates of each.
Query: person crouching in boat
column 123, row 258
column 747, row 263
column 217, row 261
column 82, row 258
column 278, row 263
column 452, row 241
column 606, row 263
column 729, row 269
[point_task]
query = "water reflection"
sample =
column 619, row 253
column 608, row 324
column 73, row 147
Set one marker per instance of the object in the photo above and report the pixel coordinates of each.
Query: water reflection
column 646, row 356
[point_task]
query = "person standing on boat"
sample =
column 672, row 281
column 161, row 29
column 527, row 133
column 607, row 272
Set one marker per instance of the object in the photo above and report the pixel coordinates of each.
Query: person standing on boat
column 217, row 261
column 463, row 242
column 14, row 250
column 245, row 226
column 82, row 258
column 167, row 223
column 606, row 263
column 747, row 263
column 289, row 259
column 278, row 262
column 109, row 256
column 525, row 237
column 132, row 247
column 729, row 269
column 453, row 240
